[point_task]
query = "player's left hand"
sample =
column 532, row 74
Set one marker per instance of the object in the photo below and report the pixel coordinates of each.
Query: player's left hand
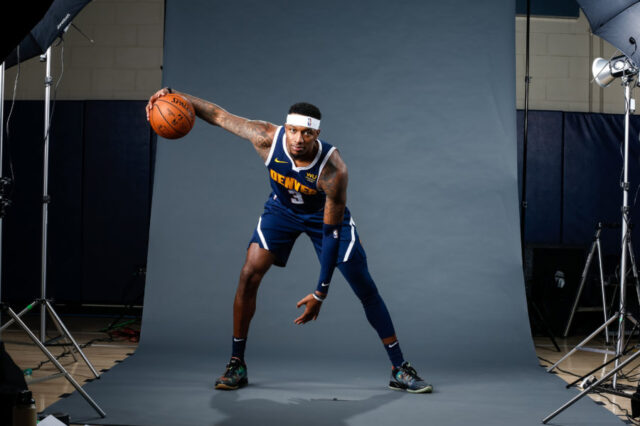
column 152, row 100
column 311, row 311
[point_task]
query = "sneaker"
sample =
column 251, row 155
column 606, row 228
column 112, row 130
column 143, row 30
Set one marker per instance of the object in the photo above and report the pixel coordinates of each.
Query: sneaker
column 406, row 378
column 235, row 377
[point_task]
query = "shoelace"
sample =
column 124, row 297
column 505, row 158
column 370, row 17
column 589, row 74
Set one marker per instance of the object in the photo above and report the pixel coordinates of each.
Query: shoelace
column 230, row 368
column 408, row 369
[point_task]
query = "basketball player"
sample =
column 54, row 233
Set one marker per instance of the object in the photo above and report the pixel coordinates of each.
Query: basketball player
column 309, row 191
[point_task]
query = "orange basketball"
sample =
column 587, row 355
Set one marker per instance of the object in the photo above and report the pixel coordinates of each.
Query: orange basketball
column 172, row 116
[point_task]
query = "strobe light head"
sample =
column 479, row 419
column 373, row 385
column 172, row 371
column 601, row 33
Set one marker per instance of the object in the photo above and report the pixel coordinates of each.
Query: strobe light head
column 605, row 71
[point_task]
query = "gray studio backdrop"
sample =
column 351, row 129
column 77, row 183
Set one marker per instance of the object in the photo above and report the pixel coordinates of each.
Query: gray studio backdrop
column 419, row 98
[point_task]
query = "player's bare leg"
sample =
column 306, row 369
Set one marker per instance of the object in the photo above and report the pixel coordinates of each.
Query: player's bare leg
column 389, row 340
column 257, row 264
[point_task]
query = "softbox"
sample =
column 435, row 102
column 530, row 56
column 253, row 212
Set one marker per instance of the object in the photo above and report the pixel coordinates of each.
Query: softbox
column 50, row 27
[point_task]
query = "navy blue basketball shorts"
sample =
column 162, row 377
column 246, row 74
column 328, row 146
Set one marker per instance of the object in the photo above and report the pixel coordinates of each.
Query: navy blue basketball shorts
column 278, row 228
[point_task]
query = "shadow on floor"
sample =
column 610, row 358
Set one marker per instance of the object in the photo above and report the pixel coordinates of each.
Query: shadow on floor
column 297, row 411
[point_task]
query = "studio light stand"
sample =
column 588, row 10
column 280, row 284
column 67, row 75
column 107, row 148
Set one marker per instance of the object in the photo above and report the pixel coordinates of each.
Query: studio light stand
column 63, row 372
column 43, row 302
column 605, row 72
column 592, row 386
column 595, row 248
column 1, row 163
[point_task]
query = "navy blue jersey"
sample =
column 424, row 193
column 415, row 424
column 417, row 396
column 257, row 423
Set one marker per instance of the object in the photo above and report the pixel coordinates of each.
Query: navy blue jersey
column 296, row 187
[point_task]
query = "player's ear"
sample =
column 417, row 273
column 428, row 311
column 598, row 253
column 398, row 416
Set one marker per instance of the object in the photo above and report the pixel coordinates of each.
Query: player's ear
column 318, row 134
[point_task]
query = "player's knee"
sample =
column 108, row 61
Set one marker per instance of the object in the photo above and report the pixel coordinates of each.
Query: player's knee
column 370, row 298
column 365, row 290
column 250, row 278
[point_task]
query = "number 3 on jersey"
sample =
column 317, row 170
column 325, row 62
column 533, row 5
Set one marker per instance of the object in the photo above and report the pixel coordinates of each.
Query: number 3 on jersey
column 296, row 197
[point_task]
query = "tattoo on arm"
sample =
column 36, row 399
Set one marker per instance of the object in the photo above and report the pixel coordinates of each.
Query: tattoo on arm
column 333, row 181
column 259, row 133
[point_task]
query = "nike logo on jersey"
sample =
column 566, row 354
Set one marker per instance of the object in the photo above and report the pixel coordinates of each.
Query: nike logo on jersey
column 238, row 340
column 280, row 161
column 392, row 345
column 325, row 284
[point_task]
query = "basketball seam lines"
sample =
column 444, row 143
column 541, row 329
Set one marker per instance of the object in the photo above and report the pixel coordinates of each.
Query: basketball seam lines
column 168, row 123
column 187, row 116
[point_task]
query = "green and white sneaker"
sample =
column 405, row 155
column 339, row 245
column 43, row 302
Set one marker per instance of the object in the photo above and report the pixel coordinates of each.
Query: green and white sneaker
column 406, row 378
column 234, row 377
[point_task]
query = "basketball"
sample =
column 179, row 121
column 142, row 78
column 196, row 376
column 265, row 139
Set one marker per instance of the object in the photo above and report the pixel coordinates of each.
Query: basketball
column 172, row 116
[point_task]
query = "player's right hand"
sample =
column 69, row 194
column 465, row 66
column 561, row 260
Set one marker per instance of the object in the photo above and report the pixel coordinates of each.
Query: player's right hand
column 311, row 311
column 160, row 93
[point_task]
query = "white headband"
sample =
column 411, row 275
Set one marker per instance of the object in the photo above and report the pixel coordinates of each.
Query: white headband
column 303, row 120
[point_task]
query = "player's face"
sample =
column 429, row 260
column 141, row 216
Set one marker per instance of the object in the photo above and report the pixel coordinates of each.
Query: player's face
column 301, row 141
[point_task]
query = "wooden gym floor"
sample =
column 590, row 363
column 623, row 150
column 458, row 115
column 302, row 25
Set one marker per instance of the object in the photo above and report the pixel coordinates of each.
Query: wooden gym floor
column 584, row 361
column 106, row 348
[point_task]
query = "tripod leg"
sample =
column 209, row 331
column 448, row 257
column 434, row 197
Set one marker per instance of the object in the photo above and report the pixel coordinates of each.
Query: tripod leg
column 579, row 345
column 632, row 319
column 583, row 279
column 634, row 269
column 533, row 306
column 623, row 288
column 67, row 341
column 633, row 330
column 584, row 376
column 22, row 312
column 604, row 297
column 587, row 390
column 68, row 335
column 56, row 363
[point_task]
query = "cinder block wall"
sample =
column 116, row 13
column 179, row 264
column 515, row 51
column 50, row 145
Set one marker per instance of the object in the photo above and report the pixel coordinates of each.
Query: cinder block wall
column 124, row 62
column 561, row 53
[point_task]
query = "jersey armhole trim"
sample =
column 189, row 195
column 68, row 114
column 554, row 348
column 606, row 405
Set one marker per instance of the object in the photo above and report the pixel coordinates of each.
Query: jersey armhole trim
column 324, row 161
column 273, row 146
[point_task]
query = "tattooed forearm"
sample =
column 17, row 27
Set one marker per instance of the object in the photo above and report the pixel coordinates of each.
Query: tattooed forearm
column 260, row 133
column 208, row 111
column 333, row 182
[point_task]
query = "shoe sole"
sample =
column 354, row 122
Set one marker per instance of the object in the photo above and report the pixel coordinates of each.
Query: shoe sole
column 223, row 386
column 397, row 387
